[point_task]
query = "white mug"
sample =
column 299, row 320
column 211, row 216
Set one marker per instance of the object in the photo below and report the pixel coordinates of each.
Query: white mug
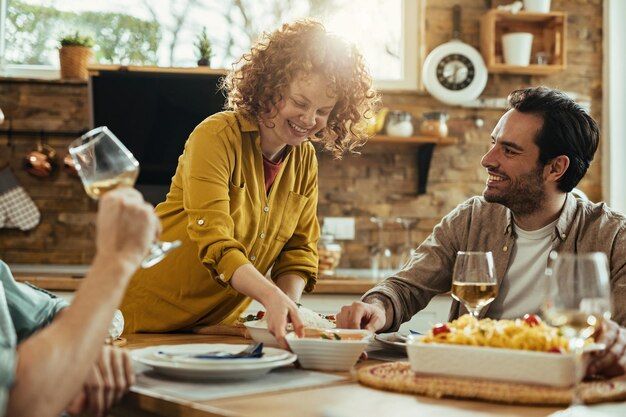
column 516, row 48
column 537, row 6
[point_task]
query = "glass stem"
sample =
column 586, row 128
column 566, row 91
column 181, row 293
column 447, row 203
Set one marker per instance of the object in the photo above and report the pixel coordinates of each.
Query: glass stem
column 576, row 345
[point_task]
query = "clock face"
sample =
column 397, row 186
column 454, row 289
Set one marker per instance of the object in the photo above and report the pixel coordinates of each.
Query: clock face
column 455, row 72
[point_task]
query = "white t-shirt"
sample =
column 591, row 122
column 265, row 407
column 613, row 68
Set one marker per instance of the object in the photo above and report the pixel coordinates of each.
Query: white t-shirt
column 525, row 282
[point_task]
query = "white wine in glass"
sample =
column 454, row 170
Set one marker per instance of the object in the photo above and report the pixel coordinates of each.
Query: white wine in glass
column 578, row 300
column 103, row 164
column 474, row 280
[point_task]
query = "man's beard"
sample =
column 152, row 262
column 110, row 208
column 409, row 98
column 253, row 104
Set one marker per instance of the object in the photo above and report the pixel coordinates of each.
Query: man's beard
column 525, row 196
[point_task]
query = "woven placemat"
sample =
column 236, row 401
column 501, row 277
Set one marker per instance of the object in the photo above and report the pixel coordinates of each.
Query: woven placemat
column 398, row 377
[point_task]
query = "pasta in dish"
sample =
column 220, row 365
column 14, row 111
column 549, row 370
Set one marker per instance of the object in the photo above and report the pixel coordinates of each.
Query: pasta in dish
column 529, row 333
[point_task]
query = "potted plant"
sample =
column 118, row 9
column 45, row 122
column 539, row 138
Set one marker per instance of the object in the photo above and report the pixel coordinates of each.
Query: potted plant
column 74, row 54
column 203, row 44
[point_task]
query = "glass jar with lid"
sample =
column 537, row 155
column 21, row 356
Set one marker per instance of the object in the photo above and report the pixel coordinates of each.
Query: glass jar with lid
column 434, row 124
column 399, row 123
column 329, row 253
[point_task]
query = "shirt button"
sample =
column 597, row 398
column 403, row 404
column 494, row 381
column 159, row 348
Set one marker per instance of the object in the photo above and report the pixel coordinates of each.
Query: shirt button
column 563, row 236
column 266, row 209
column 262, row 235
column 221, row 277
column 200, row 222
column 253, row 258
column 505, row 248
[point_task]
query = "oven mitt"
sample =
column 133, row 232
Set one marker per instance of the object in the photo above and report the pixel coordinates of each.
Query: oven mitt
column 17, row 209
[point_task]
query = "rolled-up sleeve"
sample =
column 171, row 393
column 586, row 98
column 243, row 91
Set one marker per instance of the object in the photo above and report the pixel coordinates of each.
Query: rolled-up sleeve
column 206, row 180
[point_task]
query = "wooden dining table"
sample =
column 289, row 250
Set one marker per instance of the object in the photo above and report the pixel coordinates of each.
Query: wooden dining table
column 343, row 398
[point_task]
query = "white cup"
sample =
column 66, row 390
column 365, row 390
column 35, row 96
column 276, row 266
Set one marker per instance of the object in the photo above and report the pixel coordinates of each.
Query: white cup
column 516, row 48
column 537, row 6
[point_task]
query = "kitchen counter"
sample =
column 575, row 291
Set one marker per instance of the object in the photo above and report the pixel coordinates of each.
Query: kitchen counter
column 69, row 278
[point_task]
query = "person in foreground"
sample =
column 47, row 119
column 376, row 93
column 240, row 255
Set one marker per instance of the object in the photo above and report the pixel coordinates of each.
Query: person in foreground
column 244, row 196
column 52, row 356
column 541, row 148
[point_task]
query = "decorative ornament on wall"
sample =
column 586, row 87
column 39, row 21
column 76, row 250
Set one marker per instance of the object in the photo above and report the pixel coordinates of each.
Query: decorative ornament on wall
column 455, row 72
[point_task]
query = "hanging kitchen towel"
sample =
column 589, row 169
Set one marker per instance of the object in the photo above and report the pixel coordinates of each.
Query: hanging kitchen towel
column 17, row 209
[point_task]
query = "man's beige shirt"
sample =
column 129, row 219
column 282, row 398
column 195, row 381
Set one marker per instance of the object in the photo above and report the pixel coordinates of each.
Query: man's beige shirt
column 477, row 225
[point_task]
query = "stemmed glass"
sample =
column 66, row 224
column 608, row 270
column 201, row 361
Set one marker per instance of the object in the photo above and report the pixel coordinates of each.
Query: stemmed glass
column 381, row 257
column 577, row 301
column 407, row 250
column 103, row 164
column 474, row 280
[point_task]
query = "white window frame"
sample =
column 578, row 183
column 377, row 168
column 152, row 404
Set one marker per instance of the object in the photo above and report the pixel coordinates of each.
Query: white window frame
column 412, row 25
column 613, row 106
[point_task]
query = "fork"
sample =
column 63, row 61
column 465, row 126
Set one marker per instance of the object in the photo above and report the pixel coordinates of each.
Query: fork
column 254, row 350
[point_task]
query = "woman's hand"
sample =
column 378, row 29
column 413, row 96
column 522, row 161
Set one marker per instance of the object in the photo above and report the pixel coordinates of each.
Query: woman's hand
column 610, row 361
column 281, row 310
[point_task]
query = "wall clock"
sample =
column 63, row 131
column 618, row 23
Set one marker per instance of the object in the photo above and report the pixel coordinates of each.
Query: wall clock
column 455, row 72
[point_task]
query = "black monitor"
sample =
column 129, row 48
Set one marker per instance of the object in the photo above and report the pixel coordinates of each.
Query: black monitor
column 153, row 113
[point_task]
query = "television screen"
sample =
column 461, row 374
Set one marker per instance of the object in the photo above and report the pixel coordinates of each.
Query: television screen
column 153, row 113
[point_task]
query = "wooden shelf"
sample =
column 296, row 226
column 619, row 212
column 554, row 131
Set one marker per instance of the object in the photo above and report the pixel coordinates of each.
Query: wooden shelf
column 413, row 140
column 426, row 146
column 549, row 36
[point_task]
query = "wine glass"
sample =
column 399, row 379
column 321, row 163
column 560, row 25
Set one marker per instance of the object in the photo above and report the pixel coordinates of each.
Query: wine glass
column 381, row 256
column 103, row 164
column 474, row 280
column 407, row 250
column 577, row 301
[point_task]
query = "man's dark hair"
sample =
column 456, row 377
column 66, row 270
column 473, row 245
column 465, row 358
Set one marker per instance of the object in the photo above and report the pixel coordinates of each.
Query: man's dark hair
column 567, row 130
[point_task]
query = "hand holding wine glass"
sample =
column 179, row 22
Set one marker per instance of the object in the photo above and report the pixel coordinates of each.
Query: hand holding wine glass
column 474, row 280
column 103, row 164
column 578, row 301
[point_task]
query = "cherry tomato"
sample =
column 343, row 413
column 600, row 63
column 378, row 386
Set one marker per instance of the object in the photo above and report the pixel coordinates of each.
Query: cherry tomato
column 555, row 350
column 330, row 317
column 532, row 320
column 440, row 329
column 260, row 315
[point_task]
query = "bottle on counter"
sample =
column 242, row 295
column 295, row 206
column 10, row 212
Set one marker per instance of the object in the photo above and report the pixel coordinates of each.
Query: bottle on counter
column 399, row 123
column 434, row 124
column 329, row 253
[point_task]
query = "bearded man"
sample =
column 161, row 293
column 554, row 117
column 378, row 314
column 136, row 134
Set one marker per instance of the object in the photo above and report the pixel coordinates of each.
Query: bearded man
column 541, row 148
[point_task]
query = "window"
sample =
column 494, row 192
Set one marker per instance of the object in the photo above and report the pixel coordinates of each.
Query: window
column 163, row 32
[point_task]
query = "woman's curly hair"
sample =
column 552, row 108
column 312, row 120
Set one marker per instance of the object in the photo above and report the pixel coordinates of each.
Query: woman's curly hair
column 259, row 79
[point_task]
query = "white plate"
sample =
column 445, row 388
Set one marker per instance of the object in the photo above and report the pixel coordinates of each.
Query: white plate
column 396, row 341
column 170, row 353
column 225, row 370
column 513, row 365
column 259, row 333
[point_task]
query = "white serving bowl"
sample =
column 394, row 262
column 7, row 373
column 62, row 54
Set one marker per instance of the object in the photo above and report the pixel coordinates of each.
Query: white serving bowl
column 314, row 352
column 258, row 332
column 512, row 365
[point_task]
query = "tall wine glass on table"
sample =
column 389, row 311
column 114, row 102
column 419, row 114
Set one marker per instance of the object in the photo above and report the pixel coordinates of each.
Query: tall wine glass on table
column 103, row 164
column 474, row 280
column 578, row 300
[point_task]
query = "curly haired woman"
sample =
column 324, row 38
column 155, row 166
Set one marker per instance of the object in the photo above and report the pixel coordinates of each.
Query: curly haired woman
column 244, row 196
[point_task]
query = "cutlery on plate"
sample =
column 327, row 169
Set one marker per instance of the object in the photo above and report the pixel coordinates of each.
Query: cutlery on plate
column 254, row 350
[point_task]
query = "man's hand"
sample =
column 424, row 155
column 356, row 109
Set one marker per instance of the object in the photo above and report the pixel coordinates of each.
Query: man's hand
column 126, row 226
column 360, row 315
column 110, row 378
column 611, row 361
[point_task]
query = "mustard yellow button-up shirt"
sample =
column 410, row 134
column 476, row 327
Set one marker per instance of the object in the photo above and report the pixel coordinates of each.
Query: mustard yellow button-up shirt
column 217, row 206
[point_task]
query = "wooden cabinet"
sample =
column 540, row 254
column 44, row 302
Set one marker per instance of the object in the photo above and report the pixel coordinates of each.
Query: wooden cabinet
column 549, row 37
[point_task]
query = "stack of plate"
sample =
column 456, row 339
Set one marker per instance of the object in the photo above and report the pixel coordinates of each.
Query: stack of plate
column 180, row 361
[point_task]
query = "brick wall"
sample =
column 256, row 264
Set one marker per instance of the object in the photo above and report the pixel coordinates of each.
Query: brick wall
column 382, row 181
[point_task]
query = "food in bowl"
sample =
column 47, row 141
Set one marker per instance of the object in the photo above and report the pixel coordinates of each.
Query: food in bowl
column 257, row 325
column 528, row 333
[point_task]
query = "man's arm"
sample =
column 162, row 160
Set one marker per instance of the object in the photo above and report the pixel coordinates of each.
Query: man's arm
column 54, row 363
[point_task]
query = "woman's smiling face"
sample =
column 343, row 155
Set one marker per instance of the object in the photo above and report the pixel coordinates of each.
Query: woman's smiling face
column 302, row 113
